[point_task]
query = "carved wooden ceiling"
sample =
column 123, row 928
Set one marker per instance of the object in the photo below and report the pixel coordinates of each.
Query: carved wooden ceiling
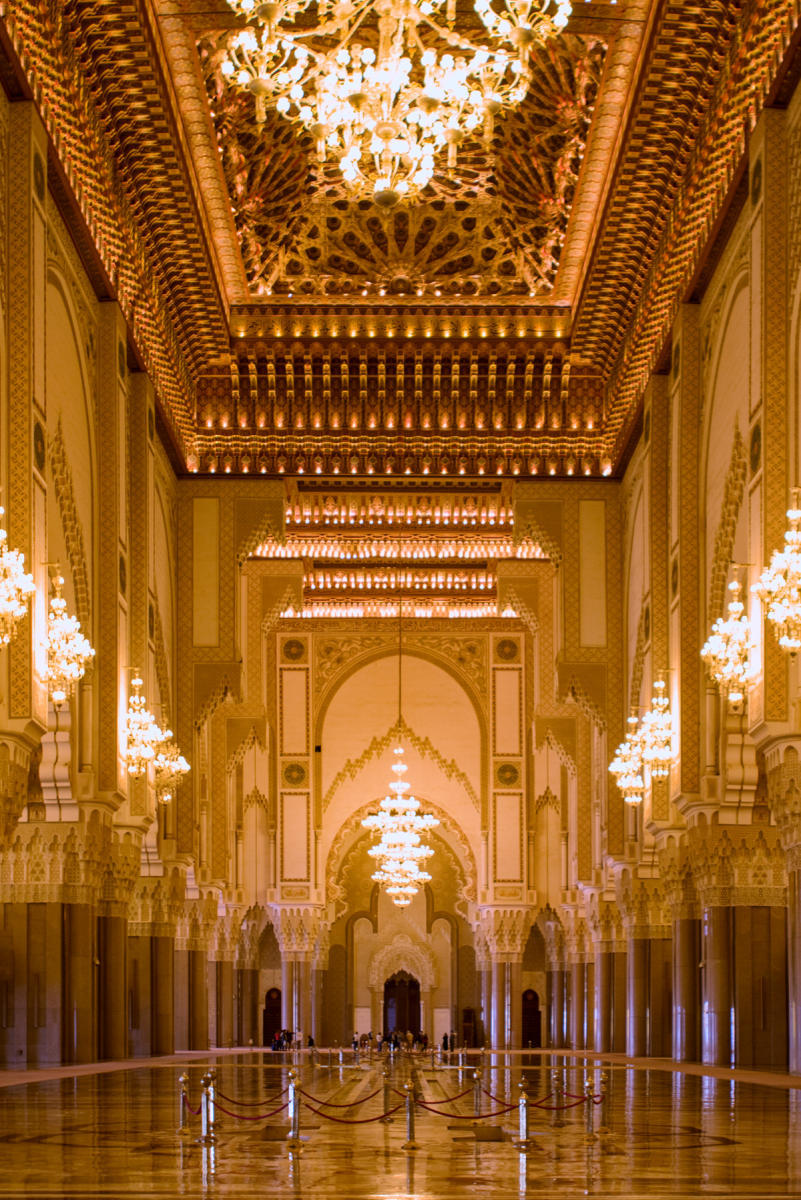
column 506, row 325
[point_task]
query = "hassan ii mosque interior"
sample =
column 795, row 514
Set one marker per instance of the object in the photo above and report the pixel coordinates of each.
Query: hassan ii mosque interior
column 400, row 591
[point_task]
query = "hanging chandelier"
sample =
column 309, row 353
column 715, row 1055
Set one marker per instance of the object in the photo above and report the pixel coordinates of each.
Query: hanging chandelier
column 779, row 585
column 401, row 851
column 726, row 651
column 387, row 87
column 656, row 734
column 170, row 766
column 16, row 588
column 627, row 765
column 142, row 734
column 68, row 651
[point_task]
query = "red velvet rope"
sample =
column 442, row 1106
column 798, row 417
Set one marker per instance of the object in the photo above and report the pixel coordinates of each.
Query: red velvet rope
column 359, row 1121
column 251, row 1103
column 470, row 1117
column 194, row 1111
column 559, row 1107
column 451, row 1099
column 260, row 1117
column 334, row 1103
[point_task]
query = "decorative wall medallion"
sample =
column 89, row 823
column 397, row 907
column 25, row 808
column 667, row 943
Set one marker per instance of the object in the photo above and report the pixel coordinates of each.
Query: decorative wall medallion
column 756, row 181
column 507, row 774
column 294, row 892
column 293, row 650
column 294, row 774
column 38, row 446
column 674, row 579
column 121, row 359
column 123, row 575
column 38, row 177
column 507, row 650
column 755, row 448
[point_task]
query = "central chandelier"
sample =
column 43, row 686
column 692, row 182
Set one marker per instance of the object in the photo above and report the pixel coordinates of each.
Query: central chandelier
column 16, row 588
column 779, row 585
column 726, row 651
column 68, row 651
column 386, row 87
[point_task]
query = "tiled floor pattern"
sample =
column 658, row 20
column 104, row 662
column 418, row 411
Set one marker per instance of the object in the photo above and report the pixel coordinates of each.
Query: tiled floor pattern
column 676, row 1135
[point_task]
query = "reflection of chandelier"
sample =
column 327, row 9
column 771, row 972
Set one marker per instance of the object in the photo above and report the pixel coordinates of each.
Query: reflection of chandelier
column 386, row 86
column 170, row 766
column 15, row 588
column 626, row 766
column 68, row 651
column 656, row 734
column 142, row 733
column 779, row 585
column 401, row 851
column 726, row 651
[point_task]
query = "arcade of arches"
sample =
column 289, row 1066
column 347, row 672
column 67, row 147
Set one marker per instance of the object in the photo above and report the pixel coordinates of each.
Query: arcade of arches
column 242, row 482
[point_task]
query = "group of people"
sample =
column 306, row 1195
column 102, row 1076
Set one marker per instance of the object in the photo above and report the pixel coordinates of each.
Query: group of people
column 285, row 1039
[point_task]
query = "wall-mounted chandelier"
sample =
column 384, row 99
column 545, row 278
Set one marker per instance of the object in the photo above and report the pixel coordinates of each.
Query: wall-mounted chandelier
column 726, row 651
column 656, row 733
column 627, row 766
column 170, row 766
column 16, row 587
column 68, row 651
column 387, row 87
column 779, row 585
column 142, row 734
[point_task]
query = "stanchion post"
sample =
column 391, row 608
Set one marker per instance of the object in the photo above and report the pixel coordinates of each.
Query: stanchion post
column 522, row 1107
column 477, row 1074
column 386, row 1073
column 410, row 1143
column 183, row 1112
column 604, row 1105
column 556, row 1088
column 341, row 1056
column 589, row 1116
column 214, row 1123
column 293, row 1137
column 206, row 1124
column 433, row 1059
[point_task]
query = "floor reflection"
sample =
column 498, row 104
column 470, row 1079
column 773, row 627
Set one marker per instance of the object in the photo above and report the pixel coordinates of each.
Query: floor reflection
column 660, row 1134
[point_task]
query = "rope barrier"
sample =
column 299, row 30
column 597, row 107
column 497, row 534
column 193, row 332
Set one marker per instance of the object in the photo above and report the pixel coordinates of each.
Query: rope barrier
column 336, row 1104
column 359, row 1120
column 559, row 1107
column 260, row 1117
column 471, row 1116
column 251, row 1103
column 452, row 1099
column 194, row 1111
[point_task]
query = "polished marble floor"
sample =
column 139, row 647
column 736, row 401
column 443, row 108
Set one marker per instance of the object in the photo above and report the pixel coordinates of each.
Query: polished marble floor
column 672, row 1134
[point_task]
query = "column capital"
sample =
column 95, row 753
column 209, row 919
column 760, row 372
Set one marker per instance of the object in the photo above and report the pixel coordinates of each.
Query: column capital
column 298, row 928
column 504, row 931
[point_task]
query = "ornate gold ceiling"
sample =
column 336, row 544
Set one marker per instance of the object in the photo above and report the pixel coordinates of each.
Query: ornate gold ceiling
column 506, row 325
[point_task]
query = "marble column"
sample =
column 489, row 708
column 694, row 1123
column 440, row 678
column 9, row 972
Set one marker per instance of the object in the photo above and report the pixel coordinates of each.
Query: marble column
column 224, row 977
column 637, row 997
column 112, row 952
column 162, row 1028
column 557, row 1008
column 181, row 1007
column 498, row 1038
column 79, row 1022
column 139, row 993
column 686, row 989
column 515, row 1004
column 794, row 966
column 619, row 996
column 602, row 1001
column 716, row 1005
column 486, row 1005
column 759, row 985
column 578, row 1005
column 198, row 1000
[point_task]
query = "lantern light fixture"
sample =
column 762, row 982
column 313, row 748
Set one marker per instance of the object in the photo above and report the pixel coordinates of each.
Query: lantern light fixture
column 142, row 734
column 68, row 651
column 779, row 585
column 726, row 652
column 16, row 587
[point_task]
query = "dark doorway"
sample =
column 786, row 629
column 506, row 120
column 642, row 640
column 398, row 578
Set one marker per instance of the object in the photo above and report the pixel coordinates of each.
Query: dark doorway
column 401, row 1003
column 271, row 1016
column 532, row 1019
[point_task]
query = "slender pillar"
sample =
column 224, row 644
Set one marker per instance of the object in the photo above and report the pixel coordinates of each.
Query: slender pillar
column 619, row 994
column 637, row 998
column 603, row 1001
column 225, row 1003
column 578, row 993
column 112, row 952
column 558, row 1009
column 716, row 1045
column 162, row 972
column 794, row 967
column 686, row 989
column 79, row 1028
column 198, row 1001
column 515, row 1004
column 486, row 1004
column 498, row 1038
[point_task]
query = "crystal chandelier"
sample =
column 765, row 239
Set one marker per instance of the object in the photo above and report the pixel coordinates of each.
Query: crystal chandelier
column 627, row 765
column 170, row 767
column 142, row 734
column 68, row 651
column 726, row 651
column 386, row 87
column 656, row 734
column 401, row 850
column 16, row 587
column 779, row 585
